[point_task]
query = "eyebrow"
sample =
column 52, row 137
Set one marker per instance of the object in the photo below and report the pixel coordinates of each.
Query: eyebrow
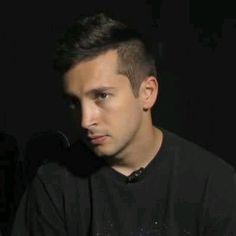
column 99, row 90
column 69, row 95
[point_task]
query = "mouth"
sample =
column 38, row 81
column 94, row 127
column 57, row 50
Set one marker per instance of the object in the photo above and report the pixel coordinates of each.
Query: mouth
column 97, row 140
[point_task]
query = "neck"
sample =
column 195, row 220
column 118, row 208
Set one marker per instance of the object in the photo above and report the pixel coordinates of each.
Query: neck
column 143, row 152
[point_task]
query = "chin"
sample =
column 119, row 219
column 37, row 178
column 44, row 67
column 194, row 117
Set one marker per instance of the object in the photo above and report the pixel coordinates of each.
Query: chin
column 102, row 152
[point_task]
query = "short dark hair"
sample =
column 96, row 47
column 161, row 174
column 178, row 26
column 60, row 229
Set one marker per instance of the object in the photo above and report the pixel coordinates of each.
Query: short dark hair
column 93, row 35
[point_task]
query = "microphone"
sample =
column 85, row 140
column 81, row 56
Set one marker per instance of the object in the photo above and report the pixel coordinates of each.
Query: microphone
column 65, row 141
column 134, row 176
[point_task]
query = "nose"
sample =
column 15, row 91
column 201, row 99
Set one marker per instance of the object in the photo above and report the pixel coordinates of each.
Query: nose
column 89, row 115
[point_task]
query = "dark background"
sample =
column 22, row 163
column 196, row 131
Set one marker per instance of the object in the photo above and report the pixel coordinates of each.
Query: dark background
column 196, row 42
column 195, row 50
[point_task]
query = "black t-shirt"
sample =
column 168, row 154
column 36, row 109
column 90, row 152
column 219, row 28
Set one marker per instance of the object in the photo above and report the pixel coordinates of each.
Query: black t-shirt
column 185, row 190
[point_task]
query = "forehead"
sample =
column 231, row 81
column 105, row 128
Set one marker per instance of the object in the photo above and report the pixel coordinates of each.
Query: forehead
column 101, row 71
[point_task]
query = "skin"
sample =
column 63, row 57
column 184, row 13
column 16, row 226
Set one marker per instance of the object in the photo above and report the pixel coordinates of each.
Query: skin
column 116, row 125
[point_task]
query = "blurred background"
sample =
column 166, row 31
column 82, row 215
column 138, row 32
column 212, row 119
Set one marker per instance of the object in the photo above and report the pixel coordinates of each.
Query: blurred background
column 195, row 48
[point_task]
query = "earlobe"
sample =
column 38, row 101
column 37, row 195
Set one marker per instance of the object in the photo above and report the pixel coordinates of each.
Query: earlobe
column 149, row 91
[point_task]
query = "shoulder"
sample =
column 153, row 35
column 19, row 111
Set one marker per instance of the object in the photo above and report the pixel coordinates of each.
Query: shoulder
column 200, row 174
column 193, row 157
column 52, row 172
column 75, row 165
column 52, row 180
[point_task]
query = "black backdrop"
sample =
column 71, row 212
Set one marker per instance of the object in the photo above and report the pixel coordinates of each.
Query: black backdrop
column 196, row 42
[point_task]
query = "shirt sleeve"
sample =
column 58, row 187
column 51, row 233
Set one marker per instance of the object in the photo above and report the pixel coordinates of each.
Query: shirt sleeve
column 220, row 204
column 38, row 213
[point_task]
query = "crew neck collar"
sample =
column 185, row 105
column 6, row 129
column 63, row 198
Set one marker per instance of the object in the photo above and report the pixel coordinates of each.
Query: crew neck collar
column 117, row 176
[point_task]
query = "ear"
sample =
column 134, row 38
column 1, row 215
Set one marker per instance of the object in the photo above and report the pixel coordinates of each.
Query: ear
column 148, row 92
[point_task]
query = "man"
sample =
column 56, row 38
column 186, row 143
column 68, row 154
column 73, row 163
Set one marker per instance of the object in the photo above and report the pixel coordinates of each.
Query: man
column 125, row 176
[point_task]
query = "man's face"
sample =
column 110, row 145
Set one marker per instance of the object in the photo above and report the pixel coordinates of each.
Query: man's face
column 108, row 112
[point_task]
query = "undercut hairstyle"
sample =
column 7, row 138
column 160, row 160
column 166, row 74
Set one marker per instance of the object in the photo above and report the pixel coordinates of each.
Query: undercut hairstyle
column 92, row 36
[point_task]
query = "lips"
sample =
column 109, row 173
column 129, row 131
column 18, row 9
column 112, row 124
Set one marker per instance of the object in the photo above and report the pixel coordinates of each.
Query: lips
column 98, row 140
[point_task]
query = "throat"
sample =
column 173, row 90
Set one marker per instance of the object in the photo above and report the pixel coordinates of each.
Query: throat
column 131, row 163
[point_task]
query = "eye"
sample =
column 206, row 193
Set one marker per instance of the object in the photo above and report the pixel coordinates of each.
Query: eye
column 72, row 102
column 101, row 96
column 72, row 105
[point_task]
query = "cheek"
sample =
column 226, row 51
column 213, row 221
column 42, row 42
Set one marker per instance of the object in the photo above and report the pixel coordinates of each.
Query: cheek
column 124, row 116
